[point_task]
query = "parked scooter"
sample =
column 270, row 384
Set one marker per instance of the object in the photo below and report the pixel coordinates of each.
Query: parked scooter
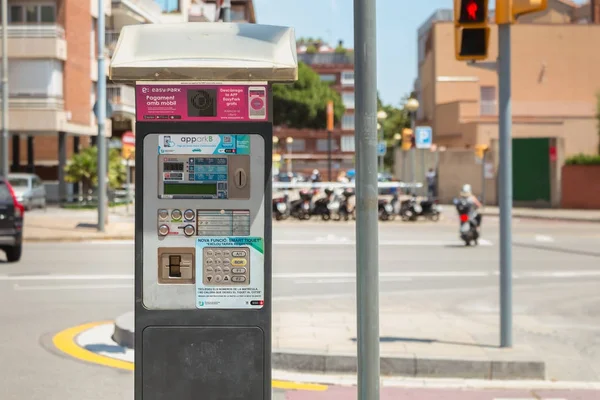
column 301, row 208
column 410, row 209
column 322, row 206
column 386, row 210
column 430, row 209
column 282, row 207
column 468, row 224
column 345, row 210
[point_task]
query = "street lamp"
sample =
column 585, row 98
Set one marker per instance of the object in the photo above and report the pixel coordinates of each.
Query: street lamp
column 289, row 140
column 412, row 105
column 381, row 116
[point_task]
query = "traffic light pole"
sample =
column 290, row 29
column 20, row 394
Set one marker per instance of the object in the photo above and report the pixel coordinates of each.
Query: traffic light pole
column 506, row 183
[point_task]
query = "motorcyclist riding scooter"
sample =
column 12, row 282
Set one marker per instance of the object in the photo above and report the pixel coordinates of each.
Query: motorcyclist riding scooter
column 467, row 206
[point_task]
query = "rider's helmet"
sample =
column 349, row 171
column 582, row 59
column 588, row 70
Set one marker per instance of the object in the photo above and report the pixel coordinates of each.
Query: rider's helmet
column 466, row 190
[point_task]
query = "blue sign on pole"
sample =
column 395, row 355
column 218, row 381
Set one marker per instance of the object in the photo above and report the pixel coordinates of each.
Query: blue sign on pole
column 381, row 148
column 423, row 137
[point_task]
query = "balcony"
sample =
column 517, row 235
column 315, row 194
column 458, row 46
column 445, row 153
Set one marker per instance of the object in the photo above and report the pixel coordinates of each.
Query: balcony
column 541, row 109
column 129, row 12
column 111, row 38
column 122, row 98
column 36, row 41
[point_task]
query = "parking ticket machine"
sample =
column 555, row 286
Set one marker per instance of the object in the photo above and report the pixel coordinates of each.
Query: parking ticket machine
column 203, row 202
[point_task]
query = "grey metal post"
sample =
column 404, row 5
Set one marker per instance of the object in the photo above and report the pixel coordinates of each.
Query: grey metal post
column 5, row 168
column 413, row 159
column 226, row 10
column 506, row 185
column 128, row 169
column 380, row 139
column 424, row 172
column 483, row 161
column 101, row 100
column 367, row 235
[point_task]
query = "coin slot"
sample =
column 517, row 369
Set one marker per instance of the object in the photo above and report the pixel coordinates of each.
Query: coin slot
column 176, row 265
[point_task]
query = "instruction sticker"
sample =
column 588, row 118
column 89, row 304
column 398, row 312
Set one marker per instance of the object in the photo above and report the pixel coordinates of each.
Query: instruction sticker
column 204, row 144
column 230, row 272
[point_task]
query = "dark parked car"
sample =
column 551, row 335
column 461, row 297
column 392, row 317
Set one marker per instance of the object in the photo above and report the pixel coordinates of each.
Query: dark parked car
column 11, row 222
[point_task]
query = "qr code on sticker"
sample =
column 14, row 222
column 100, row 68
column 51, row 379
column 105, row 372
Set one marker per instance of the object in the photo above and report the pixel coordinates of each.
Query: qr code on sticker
column 227, row 139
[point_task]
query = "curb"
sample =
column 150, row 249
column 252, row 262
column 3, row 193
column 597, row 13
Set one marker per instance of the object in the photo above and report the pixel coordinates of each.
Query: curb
column 76, row 239
column 411, row 367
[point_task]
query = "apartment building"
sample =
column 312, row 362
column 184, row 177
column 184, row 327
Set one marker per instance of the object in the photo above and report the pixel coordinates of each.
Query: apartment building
column 555, row 80
column 309, row 148
column 52, row 79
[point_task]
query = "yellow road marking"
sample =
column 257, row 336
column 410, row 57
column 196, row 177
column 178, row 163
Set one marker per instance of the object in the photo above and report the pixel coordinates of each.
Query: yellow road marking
column 65, row 342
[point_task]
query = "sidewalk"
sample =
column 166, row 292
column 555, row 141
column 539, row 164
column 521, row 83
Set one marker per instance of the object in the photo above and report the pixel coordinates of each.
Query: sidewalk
column 548, row 214
column 415, row 341
column 56, row 224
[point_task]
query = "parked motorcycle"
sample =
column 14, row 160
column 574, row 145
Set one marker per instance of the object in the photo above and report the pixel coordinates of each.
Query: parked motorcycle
column 468, row 224
column 282, row 207
column 323, row 206
column 345, row 210
column 410, row 209
column 301, row 208
column 385, row 209
column 431, row 210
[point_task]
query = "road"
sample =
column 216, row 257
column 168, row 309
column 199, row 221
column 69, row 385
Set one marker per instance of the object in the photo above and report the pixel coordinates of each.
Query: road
column 556, row 277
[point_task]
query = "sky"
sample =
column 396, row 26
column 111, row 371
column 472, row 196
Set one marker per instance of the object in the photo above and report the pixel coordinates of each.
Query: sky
column 332, row 20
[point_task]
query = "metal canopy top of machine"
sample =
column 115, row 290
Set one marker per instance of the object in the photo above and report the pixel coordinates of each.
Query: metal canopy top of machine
column 205, row 52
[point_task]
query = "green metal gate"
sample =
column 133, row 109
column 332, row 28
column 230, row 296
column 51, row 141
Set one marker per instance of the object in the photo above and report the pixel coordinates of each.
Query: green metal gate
column 531, row 170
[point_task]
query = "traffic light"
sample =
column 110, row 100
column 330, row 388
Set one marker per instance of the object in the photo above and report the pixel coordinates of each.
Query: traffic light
column 471, row 29
column 507, row 11
column 480, row 150
column 407, row 139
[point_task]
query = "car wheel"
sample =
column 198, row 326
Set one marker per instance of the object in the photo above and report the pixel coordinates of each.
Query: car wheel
column 13, row 254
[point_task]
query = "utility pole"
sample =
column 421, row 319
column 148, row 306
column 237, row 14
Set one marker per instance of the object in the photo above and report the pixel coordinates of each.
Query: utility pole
column 367, row 236
column 330, row 120
column 506, row 183
column 101, row 101
column 5, row 169
column 226, row 10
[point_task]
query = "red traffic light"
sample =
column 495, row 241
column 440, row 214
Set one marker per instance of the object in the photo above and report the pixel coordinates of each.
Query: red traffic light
column 473, row 11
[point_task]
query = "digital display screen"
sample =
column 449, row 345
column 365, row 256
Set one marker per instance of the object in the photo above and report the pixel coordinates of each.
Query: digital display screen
column 190, row 188
column 173, row 166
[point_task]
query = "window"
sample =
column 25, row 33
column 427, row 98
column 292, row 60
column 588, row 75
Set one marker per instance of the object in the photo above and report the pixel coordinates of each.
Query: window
column 169, row 6
column 16, row 14
column 322, row 145
column 238, row 13
column 348, row 143
column 348, row 100
column 348, row 78
column 37, row 182
column 488, row 100
column 42, row 78
column 297, row 145
column 328, row 78
column 348, row 122
column 32, row 14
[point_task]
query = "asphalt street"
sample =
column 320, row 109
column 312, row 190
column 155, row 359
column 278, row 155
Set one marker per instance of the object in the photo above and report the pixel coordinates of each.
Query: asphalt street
column 60, row 285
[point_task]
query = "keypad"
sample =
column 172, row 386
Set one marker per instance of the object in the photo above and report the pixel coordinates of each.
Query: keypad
column 226, row 266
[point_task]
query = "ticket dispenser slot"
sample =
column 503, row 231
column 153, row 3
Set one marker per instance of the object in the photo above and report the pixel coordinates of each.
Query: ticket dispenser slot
column 203, row 156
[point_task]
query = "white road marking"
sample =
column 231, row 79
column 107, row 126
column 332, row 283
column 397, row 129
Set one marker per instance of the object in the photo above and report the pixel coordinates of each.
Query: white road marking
column 348, row 280
column 330, row 240
column 544, row 238
column 18, row 287
column 65, row 277
column 415, row 274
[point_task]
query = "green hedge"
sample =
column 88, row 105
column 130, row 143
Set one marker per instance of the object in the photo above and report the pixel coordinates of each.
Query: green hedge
column 583, row 159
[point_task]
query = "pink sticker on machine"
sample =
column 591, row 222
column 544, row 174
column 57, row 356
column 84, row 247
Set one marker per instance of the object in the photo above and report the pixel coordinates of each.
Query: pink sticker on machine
column 175, row 103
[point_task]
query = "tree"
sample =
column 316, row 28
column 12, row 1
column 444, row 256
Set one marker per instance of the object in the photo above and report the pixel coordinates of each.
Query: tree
column 83, row 167
column 303, row 104
column 396, row 121
column 598, row 118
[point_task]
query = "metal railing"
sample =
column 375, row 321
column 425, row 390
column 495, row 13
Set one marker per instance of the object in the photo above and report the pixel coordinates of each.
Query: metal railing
column 35, row 31
column 23, row 101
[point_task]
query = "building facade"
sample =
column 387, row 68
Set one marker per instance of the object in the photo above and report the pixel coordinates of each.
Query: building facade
column 554, row 81
column 53, row 75
column 309, row 149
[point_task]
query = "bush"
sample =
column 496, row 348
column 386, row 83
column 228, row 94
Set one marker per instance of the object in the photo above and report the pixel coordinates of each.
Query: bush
column 583, row 159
